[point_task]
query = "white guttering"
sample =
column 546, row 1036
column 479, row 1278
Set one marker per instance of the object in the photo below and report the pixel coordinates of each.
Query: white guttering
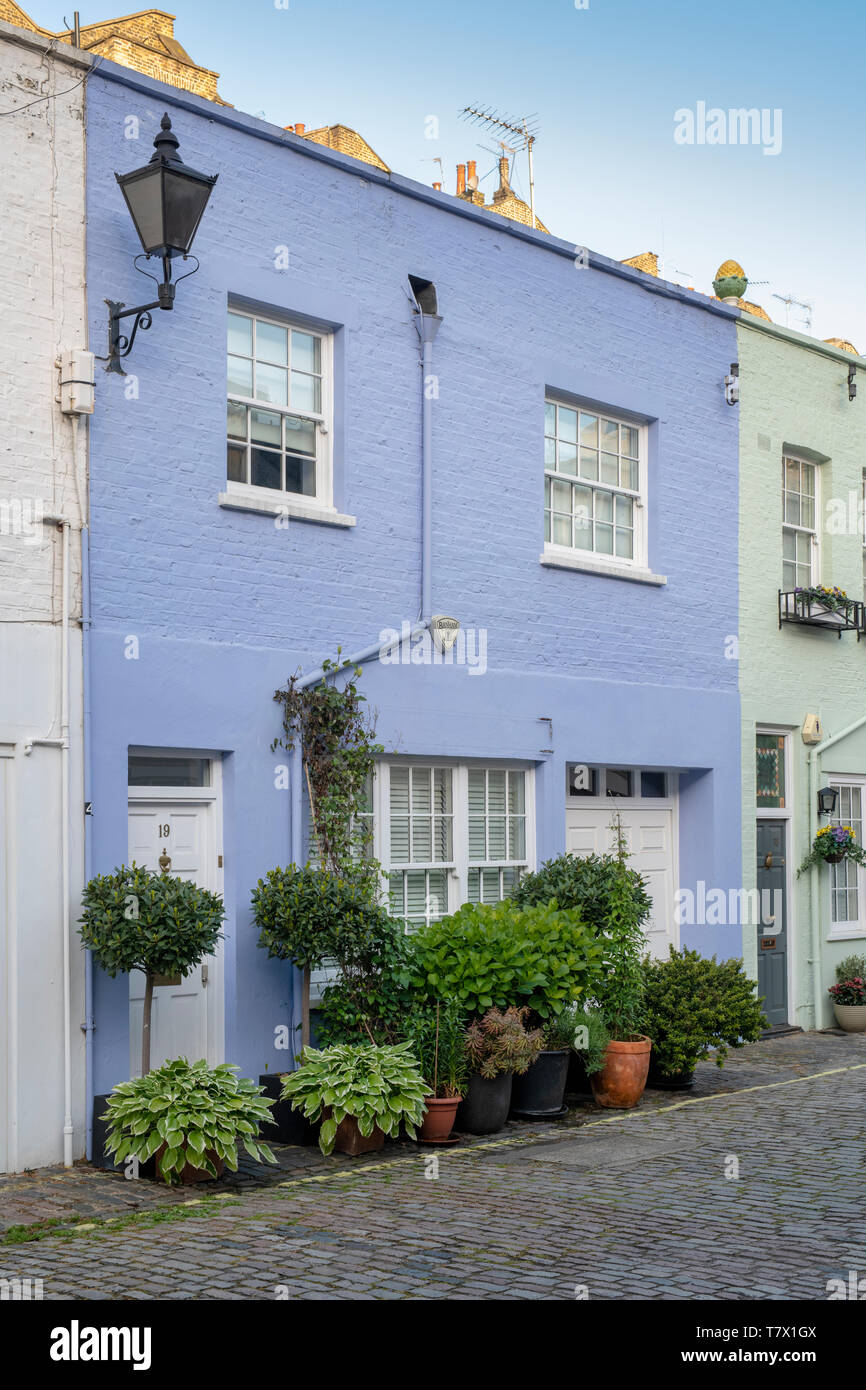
column 815, row 753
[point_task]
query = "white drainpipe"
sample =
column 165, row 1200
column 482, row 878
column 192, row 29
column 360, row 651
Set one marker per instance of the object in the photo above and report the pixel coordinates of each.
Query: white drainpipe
column 427, row 325
column 63, row 744
column 814, row 881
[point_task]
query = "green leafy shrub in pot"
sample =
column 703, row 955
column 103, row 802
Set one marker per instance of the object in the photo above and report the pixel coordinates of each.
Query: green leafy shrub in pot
column 380, row 1087
column 693, row 1004
column 500, row 1041
column 497, row 956
column 585, row 884
column 437, row 1036
column 372, row 999
column 613, row 901
column 134, row 919
column 310, row 915
column 193, row 1113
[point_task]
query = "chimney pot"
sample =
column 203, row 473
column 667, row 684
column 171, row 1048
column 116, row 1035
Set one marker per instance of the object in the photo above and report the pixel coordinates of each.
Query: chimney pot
column 438, row 187
column 461, row 179
column 300, row 128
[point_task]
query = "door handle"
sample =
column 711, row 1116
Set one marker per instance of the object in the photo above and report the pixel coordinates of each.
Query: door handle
column 204, row 976
column 768, row 861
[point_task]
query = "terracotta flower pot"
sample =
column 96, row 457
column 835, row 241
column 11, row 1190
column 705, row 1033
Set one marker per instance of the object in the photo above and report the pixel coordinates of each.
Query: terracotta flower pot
column 189, row 1173
column 439, row 1119
column 350, row 1140
column 620, row 1083
column 851, row 1017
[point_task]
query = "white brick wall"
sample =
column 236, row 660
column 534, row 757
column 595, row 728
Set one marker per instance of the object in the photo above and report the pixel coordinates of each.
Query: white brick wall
column 42, row 307
column 42, row 310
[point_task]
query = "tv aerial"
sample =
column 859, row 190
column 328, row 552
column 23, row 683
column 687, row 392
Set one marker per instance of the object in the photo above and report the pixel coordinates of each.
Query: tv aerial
column 524, row 128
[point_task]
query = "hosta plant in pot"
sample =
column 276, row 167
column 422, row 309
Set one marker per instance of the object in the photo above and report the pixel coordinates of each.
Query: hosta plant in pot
column 849, row 994
column 694, row 1005
column 499, row 1046
column 360, row 1091
column 540, row 1091
column 190, row 1117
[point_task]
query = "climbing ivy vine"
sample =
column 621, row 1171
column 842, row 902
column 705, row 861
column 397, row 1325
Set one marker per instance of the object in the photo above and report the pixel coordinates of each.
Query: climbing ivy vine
column 336, row 732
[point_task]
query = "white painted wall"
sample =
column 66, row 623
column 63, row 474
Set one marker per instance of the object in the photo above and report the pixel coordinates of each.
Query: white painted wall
column 42, row 471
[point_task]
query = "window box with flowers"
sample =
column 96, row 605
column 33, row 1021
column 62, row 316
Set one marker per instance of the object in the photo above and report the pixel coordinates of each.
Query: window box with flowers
column 822, row 605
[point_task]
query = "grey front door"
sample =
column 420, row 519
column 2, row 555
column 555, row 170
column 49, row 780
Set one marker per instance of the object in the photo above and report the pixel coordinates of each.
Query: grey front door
column 773, row 925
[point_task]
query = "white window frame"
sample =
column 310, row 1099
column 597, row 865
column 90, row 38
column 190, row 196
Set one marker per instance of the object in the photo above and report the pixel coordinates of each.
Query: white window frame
column 278, row 498
column 573, row 557
column 814, row 531
column 852, row 929
column 457, row 869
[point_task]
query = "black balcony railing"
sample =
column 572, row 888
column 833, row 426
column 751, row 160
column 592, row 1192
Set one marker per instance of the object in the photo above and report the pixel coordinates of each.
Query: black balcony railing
column 832, row 615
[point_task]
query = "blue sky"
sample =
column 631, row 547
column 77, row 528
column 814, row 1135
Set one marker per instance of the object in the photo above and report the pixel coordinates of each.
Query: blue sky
column 605, row 83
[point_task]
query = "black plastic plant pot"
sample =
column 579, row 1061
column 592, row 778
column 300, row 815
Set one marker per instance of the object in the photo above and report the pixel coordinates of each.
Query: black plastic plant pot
column 541, row 1090
column 578, row 1082
column 102, row 1159
column 288, row 1126
column 484, row 1108
column 657, row 1080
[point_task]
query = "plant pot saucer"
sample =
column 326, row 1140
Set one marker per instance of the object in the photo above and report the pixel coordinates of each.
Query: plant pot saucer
column 540, row 1114
column 449, row 1139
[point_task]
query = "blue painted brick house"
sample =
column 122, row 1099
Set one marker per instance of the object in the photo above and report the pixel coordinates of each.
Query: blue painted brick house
column 583, row 530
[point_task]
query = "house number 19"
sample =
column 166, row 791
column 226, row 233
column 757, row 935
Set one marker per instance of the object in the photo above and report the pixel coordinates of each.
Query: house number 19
column 164, row 832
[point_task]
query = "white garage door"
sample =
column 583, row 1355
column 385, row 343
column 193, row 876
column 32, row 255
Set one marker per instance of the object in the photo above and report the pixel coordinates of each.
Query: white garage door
column 649, row 836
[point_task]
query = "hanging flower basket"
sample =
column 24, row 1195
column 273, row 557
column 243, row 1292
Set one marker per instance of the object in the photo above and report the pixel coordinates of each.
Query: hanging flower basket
column 831, row 845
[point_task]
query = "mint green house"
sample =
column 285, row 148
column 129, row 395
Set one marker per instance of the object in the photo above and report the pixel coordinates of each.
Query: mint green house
column 802, row 658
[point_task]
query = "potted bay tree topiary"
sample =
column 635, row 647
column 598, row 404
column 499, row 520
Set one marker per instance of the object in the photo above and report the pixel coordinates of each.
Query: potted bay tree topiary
column 134, row 919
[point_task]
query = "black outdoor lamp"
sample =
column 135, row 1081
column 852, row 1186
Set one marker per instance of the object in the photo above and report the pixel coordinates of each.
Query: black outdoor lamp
column 827, row 798
column 166, row 200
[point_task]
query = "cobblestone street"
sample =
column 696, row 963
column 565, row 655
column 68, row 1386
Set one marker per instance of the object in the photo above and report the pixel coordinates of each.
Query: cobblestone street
column 748, row 1193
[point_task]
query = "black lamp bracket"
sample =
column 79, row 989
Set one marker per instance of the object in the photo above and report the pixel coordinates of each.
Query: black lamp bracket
column 120, row 344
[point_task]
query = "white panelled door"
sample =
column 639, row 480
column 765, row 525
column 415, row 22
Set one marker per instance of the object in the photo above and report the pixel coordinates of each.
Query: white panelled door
column 649, row 836
column 179, row 1026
